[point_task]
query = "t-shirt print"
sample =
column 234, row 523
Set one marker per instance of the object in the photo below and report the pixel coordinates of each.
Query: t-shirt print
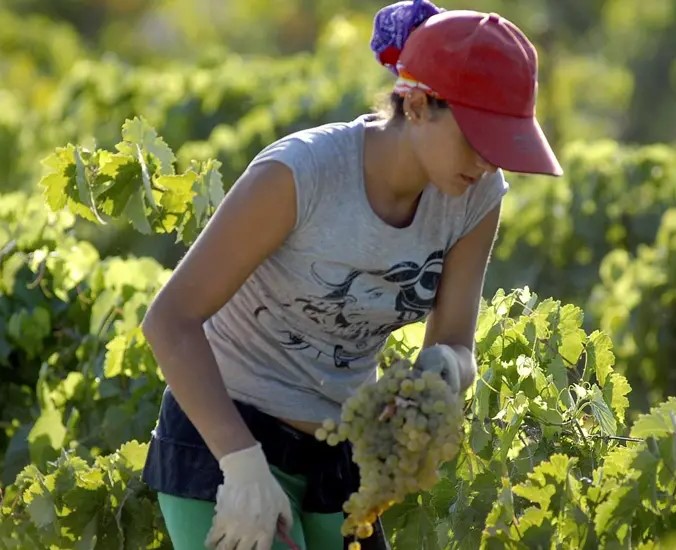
column 359, row 309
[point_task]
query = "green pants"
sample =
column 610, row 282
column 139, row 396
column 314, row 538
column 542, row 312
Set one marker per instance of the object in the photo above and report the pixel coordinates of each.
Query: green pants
column 188, row 520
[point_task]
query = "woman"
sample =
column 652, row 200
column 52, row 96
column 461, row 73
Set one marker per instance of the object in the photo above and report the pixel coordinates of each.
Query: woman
column 332, row 238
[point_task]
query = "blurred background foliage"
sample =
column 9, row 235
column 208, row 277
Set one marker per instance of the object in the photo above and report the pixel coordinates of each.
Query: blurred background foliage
column 222, row 79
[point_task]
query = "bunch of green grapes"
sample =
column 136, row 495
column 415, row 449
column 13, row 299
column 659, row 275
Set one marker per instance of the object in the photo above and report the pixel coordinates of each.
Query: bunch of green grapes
column 402, row 428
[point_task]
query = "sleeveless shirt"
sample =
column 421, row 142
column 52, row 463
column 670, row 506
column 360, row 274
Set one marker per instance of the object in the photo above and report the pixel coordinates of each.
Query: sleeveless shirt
column 302, row 333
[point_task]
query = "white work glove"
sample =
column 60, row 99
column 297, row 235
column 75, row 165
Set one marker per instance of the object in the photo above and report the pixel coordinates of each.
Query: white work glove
column 249, row 504
column 441, row 359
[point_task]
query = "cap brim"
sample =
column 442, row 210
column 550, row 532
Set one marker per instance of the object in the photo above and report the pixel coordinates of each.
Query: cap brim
column 511, row 143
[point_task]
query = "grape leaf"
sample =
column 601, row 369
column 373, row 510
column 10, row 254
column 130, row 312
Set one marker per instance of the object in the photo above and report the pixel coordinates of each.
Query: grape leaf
column 557, row 467
column 602, row 413
column 536, row 528
column 502, row 514
column 87, row 537
column 138, row 132
column 620, row 504
column 114, row 360
column 84, row 188
column 479, row 437
column 104, row 304
column 178, row 191
column 90, row 480
column 541, row 410
column 600, row 357
column 572, row 336
column 41, row 510
column 114, row 195
column 618, row 462
column 138, row 520
column 540, row 317
column 55, row 191
column 412, row 526
column 214, row 182
column 68, row 387
column 134, row 453
column 487, row 319
column 556, row 368
column 615, row 390
column 136, row 210
column 60, row 178
column 70, row 265
column 516, row 412
column 524, row 367
column 538, row 494
column 46, row 436
column 658, row 422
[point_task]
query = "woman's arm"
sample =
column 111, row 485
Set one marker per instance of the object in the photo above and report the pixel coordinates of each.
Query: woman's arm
column 454, row 315
column 254, row 219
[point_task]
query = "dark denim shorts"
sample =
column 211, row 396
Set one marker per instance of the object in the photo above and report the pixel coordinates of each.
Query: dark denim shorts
column 179, row 462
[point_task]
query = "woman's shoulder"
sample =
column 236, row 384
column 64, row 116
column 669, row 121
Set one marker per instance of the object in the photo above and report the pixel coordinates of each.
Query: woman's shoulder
column 327, row 134
column 321, row 159
column 318, row 148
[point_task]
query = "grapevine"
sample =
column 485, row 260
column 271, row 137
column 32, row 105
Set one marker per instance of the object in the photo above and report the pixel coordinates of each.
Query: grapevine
column 401, row 428
column 554, row 454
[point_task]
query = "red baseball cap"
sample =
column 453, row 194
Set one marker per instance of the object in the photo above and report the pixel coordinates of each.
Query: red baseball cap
column 485, row 68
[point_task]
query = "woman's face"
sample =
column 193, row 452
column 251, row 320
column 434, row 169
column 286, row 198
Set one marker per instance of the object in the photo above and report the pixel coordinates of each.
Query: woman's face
column 451, row 163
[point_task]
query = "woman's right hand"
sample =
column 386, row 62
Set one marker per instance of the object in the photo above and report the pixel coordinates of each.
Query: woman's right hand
column 250, row 504
column 253, row 220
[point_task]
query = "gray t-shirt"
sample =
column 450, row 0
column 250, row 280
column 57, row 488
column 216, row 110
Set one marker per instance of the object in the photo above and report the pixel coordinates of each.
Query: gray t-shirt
column 301, row 334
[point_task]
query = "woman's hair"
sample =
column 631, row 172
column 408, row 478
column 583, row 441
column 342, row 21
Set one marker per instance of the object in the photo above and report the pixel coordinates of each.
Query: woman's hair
column 391, row 106
column 392, row 26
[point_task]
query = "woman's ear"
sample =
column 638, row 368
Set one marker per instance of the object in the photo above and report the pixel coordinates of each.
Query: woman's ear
column 416, row 106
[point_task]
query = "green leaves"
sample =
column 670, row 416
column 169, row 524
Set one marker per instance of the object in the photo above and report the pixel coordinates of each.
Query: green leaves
column 412, row 524
column 541, row 422
column 60, row 183
column 659, row 422
column 544, row 462
column 28, row 329
column 615, row 391
column 71, row 503
column 80, row 375
column 135, row 211
column 46, row 436
column 41, row 510
column 636, row 304
column 133, row 454
column 138, row 136
column 602, row 412
column 138, row 184
column 600, row 358
column 634, row 489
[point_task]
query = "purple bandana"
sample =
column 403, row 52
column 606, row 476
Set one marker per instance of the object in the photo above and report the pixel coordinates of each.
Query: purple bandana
column 392, row 26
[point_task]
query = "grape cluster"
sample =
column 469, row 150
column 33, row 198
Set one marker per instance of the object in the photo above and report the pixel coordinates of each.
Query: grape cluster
column 401, row 429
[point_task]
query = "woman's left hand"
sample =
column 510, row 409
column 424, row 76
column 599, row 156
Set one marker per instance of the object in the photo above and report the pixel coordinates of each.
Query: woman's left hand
column 443, row 360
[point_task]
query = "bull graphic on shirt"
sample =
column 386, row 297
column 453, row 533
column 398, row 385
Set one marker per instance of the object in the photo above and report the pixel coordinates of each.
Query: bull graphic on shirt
column 361, row 309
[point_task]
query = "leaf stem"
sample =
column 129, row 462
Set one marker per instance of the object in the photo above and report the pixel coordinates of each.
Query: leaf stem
column 7, row 249
column 515, row 524
column 525, row 446
column 41, row 273
column 145, row 176
column 618, row 438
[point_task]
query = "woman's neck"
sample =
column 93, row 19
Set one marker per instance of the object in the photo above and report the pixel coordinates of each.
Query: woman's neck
column 393, row 177
column 390, row 165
